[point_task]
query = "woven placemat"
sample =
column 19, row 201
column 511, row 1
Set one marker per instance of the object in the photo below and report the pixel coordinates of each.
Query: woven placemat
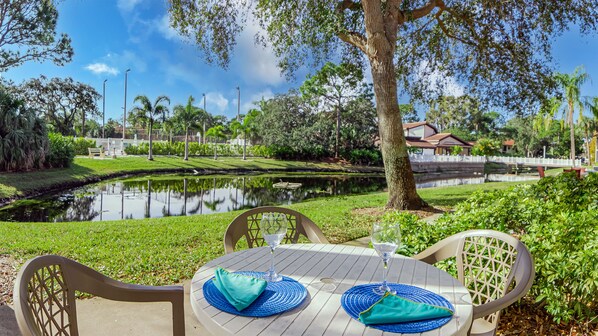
column 359, row 298
column 278, row 297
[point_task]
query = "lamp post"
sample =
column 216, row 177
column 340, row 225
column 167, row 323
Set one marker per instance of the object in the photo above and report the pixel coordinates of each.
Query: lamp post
column 204, row 120
column 238, row 103
column 125, row 107
column 104, row 109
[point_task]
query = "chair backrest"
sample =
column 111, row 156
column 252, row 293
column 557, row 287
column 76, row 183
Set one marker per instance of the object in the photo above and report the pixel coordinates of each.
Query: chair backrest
column 44, row 295
column 247, row 225
column 488, row 264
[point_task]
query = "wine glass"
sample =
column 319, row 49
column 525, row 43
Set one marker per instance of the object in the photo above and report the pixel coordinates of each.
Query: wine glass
column 386, row 238
column 273, row 227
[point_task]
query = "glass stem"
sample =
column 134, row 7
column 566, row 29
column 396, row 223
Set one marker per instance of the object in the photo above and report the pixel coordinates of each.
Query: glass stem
column 384, row 275
column 271, row 261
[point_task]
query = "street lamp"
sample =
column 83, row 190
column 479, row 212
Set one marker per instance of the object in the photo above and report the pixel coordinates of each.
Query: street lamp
column 125, row 107
column 204, row 119
column 104, row 109
column 238, row 104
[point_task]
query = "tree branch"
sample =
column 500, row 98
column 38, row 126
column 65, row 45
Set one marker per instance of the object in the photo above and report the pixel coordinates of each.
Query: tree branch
column 447, row 33
column 347, row 4
column 424, row 10
column 355, row 39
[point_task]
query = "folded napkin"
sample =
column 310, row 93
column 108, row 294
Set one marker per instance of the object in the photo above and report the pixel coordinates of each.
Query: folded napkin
column 395, row 309
column 240, row 290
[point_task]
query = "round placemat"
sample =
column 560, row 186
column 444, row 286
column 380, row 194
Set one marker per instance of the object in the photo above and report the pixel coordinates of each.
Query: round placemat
column 278, row 297
column 359, row 298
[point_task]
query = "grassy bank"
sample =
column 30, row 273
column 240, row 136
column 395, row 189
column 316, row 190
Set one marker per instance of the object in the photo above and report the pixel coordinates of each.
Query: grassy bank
column 87, row 170
column 166, row 250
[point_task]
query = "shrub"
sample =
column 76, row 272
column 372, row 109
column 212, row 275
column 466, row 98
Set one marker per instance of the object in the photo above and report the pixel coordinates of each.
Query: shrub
column 486, row 147
column 23, row 136
column 62, row 151
column 81, row 145
column 365, row 157
column 195, row 149
column 557, row 219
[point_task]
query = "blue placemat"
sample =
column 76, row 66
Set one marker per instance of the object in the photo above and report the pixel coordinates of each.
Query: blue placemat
column 278, row 297
column 359, row 298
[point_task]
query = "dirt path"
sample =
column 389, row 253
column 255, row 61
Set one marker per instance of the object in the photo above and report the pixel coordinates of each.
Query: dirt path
column 8, row 273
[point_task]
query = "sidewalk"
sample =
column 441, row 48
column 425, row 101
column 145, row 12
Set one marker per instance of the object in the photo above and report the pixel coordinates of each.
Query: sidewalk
column 99, row 316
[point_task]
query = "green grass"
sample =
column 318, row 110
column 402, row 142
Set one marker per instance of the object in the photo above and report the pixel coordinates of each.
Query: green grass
column 167, row 250
column 19, row 184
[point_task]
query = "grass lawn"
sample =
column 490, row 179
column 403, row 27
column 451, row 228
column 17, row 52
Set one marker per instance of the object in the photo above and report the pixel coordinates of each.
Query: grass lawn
column 83, row 168
column 166, row 250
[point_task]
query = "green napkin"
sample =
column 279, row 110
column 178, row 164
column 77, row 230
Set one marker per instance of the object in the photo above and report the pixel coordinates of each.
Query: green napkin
column 240, row 290
column 395, row 309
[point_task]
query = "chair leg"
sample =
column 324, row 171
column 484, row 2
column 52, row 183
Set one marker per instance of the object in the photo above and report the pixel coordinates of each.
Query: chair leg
column 178, row 317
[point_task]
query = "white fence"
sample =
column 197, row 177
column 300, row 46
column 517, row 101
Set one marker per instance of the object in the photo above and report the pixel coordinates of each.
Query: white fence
column 445, row 158
column 419, row 158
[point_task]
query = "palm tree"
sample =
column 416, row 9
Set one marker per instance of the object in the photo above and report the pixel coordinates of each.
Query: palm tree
column 216, row 133
column 592, row 104
column 187, row 117
column 149, row 112
column 571, row 85
column 588, row 125
column 247, row 128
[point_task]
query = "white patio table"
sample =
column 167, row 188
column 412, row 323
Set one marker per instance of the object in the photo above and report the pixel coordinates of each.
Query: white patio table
column 327, row 271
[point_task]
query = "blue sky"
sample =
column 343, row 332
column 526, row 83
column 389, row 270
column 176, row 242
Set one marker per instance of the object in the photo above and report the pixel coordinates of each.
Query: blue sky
column 110, row 36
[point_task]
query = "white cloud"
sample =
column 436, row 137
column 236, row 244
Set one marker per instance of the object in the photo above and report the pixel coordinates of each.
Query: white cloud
column 438, row 81
column 101, row 68
column 127, row 5
column 254, row 99
column 257, row 64
column 218, row 100
column 164, row 28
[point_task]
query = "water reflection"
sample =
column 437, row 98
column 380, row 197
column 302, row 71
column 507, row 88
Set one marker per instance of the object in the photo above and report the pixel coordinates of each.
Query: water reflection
column 178, row 196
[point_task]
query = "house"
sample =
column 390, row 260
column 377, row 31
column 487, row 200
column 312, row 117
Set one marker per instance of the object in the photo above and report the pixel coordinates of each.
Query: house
column 423, row 138
column 507, row 146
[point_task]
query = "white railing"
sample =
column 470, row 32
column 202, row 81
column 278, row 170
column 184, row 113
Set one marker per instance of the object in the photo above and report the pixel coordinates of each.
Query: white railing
column 420, row 158
column 535, row 161
column 445, row 158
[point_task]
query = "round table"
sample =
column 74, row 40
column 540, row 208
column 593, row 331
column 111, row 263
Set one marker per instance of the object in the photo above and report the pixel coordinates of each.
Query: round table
column 327, row 271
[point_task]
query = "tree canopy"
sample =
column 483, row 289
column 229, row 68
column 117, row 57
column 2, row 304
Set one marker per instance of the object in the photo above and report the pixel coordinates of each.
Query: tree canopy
column 28, row 33
column 500, row 51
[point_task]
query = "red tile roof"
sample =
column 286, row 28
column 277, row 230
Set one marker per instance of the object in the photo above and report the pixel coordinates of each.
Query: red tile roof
column 419, row 143
column 509, row 142
column 441, row 136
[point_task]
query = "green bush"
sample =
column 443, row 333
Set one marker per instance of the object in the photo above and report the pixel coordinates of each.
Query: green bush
column 62, row 151
column 557, row 219
column 81, row 145
column 195, row 149
column 365, row 157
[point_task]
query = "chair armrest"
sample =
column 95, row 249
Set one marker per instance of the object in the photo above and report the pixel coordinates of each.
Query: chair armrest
column 442, row 250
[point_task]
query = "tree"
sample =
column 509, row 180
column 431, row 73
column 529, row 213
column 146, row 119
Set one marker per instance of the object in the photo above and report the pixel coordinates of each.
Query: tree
column 246, row 128
column 23, row 136
column 571, row 86
column 589, row 126
column 61, row 101
column 27, row 33
column 332, row 87
column 187, row 117
column 409, row 113
column 216, row 133
column 149, row 112
column 489, row 46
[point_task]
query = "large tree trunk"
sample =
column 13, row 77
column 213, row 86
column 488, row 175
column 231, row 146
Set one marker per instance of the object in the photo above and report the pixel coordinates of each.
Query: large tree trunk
column 186, row 144
column 338, row 130
column 402, row 193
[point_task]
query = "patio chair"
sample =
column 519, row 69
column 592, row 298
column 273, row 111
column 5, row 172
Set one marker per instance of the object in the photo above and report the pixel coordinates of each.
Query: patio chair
column 44, row 295
column 247, row 225
column 487, row 264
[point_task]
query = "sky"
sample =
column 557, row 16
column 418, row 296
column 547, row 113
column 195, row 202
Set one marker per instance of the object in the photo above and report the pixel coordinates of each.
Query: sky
column 109, row 37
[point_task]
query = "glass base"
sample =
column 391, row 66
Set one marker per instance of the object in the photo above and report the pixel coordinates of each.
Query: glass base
column 272, row 276
column 383, row 290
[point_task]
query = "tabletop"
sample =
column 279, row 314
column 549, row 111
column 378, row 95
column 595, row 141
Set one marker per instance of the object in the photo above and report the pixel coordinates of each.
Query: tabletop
column 327, row 271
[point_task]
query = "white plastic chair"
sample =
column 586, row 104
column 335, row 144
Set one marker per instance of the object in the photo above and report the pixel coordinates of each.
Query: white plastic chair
column 44, row 295
column 488, row 262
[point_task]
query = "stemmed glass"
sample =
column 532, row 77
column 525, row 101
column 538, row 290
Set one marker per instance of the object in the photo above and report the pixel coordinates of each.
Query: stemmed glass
column 273, row 227
column 386, row 238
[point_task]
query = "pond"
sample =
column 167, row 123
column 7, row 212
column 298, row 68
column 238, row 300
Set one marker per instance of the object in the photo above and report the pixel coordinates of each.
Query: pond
column 173, row 195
